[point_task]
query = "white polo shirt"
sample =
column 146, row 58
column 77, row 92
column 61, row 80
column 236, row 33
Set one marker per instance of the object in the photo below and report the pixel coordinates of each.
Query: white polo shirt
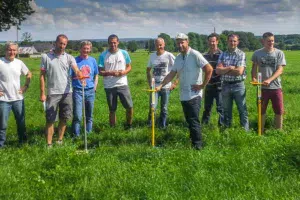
column 189, row 67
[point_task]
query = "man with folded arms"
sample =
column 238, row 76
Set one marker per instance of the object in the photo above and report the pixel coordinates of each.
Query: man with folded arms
column 231, row 66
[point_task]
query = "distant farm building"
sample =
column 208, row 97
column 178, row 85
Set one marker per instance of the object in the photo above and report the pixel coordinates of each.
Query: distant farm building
column 29, row 52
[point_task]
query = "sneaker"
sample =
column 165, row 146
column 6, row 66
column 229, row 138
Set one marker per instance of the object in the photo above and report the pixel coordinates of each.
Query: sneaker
column 197, row 147
column 59, row 142
column 128, row 126
column 49, row 146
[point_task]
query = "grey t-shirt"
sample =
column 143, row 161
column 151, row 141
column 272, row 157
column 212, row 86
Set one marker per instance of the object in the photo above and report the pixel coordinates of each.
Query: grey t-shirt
column 268, row 63
column 57, row 68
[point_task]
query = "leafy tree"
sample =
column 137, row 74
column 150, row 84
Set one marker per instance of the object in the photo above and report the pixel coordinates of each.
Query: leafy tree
column 132, row 46
column 2, row 50
column 13, row 12
column 193, row 40
column 150, row 45
column 26, row 39
column 223, row 42
column 122, row 45
column 169, row 42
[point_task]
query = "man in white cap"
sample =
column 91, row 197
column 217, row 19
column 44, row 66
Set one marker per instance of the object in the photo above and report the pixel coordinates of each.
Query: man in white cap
column 189, row 65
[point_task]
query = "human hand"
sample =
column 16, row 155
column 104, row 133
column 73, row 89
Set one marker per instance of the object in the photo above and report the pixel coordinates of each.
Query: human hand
column 23, row 90
column 1, row 93
column 196, row 88
column 173, row 86
column 43, row 98
column 266, row 82
column 158, row 88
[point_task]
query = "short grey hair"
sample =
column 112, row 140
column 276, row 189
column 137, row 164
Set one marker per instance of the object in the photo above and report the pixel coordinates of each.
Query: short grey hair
column 8, row 44
column 160, row 39
column 86, row 42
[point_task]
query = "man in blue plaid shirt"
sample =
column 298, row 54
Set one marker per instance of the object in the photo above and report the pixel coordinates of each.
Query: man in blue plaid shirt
column 232, row 68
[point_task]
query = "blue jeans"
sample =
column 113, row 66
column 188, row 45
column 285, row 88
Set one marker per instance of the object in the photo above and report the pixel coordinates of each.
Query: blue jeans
column 213, row 92
column 191, row 111
column 89, row 95
column 235, row 92
column 164, row 95
column 18, row 109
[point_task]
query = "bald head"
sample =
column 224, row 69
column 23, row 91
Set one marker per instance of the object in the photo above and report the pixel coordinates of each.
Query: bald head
column 160, row 45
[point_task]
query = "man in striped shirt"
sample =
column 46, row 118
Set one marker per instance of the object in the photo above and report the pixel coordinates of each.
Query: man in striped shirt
column 213, row 88
column 232, row 68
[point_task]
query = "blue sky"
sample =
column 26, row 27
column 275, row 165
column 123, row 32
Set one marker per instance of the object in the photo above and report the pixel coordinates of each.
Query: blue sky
column 96, row 19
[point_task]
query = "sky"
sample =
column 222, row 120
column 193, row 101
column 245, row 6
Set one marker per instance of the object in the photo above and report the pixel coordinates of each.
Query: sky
column 97, row 19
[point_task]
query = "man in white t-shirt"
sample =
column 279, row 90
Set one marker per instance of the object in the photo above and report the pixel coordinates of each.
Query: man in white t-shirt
column 11, row 92
column 161, row 63
column 189, row 65
column 114, row 65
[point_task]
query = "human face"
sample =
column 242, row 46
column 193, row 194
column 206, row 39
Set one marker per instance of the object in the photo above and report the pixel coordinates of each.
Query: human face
column 269, row 43
column 11, row 52
column 213, row 43
column 232, row 43
column 60, row 45
column 183, row 45
column 85, row 50
column 113, row 45
column 160, row 46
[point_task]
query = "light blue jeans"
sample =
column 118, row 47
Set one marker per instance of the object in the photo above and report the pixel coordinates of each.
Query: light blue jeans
column 164, row 95
column 235, row 92
column 89, row 95
column 18, row 109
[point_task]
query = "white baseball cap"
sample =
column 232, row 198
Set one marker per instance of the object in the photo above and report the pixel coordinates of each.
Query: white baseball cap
column 181, row 36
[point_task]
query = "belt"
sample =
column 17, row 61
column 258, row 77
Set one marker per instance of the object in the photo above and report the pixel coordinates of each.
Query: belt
column 232, row 82
column 84, row 89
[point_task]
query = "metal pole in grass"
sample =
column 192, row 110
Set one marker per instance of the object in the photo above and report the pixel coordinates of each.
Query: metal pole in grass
column 83, row 111
column 152, row 91
column 258, row 84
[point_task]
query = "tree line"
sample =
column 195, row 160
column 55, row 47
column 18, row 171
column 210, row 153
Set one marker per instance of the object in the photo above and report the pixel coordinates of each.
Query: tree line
column 248, row 42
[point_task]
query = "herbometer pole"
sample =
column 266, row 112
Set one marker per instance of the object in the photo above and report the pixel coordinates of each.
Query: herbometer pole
column 258, row 84
column 152, row 91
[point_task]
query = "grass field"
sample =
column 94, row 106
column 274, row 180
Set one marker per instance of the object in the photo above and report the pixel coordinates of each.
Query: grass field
column 123, row 165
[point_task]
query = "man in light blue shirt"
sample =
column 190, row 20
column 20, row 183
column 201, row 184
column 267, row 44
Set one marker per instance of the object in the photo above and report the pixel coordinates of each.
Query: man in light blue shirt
column 114, row 65
column 189, row 65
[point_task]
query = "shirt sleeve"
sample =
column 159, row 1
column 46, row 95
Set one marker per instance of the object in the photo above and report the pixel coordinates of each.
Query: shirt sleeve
column 176, row 65
column 220, row 58
column 201, row 61
column 171, row 59
column 281, row 59
column 101, row 60
column 95, row 67
column 254, row 58
column 24, row 69
column 127, row 57
column 149, row 65
column 43, row 65
column 241, row 62
column 72, row 61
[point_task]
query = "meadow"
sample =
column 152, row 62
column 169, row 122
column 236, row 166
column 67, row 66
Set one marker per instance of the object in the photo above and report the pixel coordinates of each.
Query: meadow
column 123, row 165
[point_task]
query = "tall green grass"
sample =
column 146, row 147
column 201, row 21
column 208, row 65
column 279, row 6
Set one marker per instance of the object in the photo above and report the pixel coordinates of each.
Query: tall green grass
column 123, row 165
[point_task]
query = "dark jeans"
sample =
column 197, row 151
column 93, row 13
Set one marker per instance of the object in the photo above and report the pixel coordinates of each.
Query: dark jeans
column 213, row 92
column 18, row 109
column 191, row 111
